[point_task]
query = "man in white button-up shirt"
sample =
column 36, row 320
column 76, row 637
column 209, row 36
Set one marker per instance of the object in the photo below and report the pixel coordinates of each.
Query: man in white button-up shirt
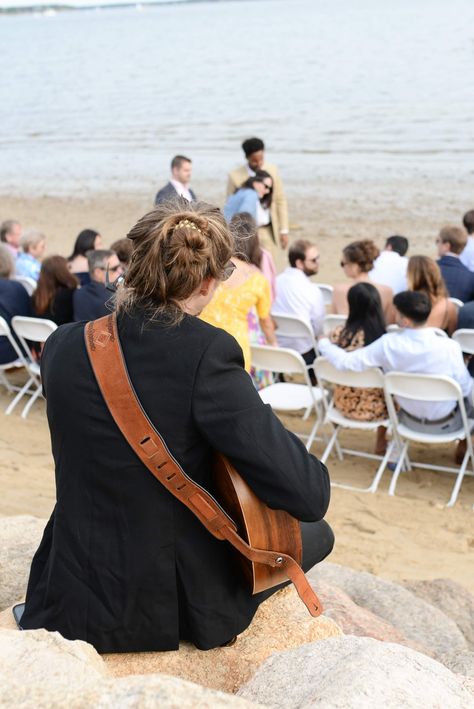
column 297, row 295
column 390, row 268
column 416, row 348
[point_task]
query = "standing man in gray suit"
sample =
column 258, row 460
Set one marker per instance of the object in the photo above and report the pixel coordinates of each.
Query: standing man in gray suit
column 178, row 186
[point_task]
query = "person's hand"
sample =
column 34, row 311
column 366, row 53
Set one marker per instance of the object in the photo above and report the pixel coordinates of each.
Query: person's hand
column 284, row 239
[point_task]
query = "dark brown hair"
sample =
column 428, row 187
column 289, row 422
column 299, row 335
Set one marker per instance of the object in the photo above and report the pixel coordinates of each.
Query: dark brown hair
column 54, row 275
column 363, row 253
column 176, row 246
column 244, row 229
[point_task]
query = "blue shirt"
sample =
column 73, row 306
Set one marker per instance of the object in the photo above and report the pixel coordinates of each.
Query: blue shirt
column 14, row 300
column 27, row 265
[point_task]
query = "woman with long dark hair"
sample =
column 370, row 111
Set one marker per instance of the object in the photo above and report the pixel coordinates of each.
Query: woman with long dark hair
column 87, row 240
column 52, row 298
column 365, row 324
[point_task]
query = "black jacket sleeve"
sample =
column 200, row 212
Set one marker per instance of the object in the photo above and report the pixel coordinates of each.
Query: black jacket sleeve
column 232, row 417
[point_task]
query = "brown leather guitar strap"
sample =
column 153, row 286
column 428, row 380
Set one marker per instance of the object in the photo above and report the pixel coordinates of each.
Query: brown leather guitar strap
column 108, row 364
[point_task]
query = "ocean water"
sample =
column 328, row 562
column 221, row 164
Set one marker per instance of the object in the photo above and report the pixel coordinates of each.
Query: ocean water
column 101, row 99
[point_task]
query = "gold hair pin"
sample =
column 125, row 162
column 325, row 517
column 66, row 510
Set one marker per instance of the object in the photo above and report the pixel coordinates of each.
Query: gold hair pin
column 188, row 223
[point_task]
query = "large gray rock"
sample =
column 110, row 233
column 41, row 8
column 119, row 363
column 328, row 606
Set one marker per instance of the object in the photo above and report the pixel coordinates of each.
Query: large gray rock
column 416, row 619
column 356, row 673
column 460, row 662
column 20, row 537
column 355, row 620
column 41, row 669
column 451, row 598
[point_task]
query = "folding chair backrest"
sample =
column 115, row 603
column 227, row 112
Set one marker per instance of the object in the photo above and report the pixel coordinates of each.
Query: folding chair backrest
column 278, row 359
column 457, row 302
column 292, row 326
column 465, row 338
column 370, row 378
column 28, row 283
column 332, row 321
column 326, row 292
column 32, row 329
column 6, row 332
column 422, row 387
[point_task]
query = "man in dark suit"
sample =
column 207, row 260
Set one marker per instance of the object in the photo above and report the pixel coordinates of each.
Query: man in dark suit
column 89, row 302
column 178, row 186
column 459, row 280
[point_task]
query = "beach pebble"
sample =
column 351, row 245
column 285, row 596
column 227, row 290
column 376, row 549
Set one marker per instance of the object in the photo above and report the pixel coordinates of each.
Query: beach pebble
column 451, row 598
column 20, row 537
column 41, row 669
column 418, row 620
column 356, row 673
column 356, row 620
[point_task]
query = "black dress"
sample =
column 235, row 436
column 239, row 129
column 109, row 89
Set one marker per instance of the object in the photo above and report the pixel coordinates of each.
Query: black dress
column 60, row 309
column 123, row 564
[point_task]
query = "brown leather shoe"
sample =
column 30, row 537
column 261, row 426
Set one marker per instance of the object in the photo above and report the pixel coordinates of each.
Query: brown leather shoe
column 460, row 452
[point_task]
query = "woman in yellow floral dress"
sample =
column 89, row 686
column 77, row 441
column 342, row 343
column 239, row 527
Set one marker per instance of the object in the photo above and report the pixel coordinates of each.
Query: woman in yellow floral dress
column 234, row 299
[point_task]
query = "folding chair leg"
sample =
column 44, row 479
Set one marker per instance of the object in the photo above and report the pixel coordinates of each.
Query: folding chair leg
column 398, row 469
column 380, row 471
column 5, row 382
column 462, row 470
column 20, row 394
column 330, row 445
column 30, row 403
column 312, row 435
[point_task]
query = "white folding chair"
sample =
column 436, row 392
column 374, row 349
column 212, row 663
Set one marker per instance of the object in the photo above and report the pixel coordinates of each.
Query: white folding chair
column 19, row 360
column 428, row 388
column 288, row 396
column 332, row 321
column 457, row 302
column 372, row 378
column 326, row 291
column 29, row 284
column 465, row 338
column 35, row 330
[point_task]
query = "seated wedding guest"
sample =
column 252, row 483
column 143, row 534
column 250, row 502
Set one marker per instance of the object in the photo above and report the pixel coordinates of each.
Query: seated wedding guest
column 10, row 235
column 357, row 262
column 458, row 279
column 416, row 348
column 467, row 256
column 53, row 297
column 365, row 324
column 123, row 564
column 14, row 300
column 390, row 267
column 89, row 301
column 300, row 297
column 245, row 290
column 87, row 240
column 424, row 276
column 28, row 263
column 245, row 225
column 123, row 248
column 244, row 228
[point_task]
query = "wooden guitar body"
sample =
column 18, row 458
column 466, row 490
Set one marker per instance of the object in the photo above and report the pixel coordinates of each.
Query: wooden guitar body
column 260, row 526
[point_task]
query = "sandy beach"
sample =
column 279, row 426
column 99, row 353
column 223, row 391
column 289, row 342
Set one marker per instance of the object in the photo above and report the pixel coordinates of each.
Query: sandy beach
column 410, row 536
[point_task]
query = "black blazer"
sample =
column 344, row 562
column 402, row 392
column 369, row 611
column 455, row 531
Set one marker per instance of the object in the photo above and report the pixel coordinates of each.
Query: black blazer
column 89, row 301
column 168, row 193
column 122, row 563
column 459, row 279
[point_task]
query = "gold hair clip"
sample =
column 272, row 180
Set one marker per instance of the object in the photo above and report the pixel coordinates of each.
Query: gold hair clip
column 190, row 224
